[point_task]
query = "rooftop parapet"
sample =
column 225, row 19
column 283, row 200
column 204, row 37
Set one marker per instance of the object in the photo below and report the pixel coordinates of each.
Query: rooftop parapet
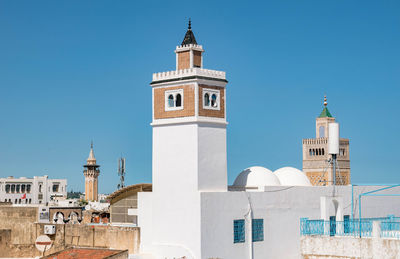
column 187, row 47
column 389, row 227
column 188, row 72
column 319, row 141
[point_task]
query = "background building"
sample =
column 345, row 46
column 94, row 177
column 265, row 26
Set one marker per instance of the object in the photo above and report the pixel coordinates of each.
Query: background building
column 315, row 154
column 21, row 225
column 36, row 190
column 124, row 203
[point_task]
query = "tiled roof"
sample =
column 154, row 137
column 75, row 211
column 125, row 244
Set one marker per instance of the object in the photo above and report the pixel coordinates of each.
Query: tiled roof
column 78, row 253
column 189, row 36
column 325, row 113
column 140, row 187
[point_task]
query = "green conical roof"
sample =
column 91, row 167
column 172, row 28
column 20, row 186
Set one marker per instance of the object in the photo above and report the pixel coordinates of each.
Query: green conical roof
column 325, row 113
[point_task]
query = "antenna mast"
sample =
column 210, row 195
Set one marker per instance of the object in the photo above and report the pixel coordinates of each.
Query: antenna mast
column 333, row 146
column 121, row 172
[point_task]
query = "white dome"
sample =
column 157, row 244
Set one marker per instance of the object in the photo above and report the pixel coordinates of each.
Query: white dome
column 290, row 176
column 256, row 176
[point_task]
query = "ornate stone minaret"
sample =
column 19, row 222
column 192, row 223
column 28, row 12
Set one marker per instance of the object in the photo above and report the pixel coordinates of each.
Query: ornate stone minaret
column 91, row 172
column 315, row 154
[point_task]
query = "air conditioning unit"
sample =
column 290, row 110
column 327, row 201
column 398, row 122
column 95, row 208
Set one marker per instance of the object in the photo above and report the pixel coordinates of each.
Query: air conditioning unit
column 49, row 229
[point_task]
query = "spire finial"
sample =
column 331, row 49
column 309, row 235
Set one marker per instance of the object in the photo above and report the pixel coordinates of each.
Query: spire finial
column 189, row 36
column 91, row 157
column 325, row 102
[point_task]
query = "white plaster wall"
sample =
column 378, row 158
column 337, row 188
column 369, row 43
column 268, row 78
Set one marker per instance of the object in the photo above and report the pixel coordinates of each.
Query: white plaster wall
column 316, row 247
column 212, row 157
column 176, row 225
column 175, row 201
column 174, row 228
column 281, row 208
column 175, row 158
column 145, row 219
column 170, row 225
column 281, row 213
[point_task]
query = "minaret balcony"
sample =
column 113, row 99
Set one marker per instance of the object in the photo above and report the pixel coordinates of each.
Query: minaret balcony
column 188, row 73
column 91, row 172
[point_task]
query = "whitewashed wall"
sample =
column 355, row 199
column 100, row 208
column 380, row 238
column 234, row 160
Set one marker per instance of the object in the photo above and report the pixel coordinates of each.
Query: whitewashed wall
column 281, row 208
column 317, row 247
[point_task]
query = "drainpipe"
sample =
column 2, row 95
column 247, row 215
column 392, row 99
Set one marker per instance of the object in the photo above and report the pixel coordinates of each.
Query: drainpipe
column 352, row 200
column 93, row 237
column 249, row 219
column 359, row 212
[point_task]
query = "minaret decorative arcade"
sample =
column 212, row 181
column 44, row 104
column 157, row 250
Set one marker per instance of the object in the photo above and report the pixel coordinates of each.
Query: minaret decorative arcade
column 91, row 172
column 315, row 154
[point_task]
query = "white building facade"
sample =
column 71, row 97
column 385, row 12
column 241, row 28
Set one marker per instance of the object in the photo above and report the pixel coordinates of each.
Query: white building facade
column 191, row 213
column 36, row 190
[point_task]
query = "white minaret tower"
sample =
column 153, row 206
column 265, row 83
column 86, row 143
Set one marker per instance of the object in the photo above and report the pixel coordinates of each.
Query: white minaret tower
column 189, row 153
column 189, row 123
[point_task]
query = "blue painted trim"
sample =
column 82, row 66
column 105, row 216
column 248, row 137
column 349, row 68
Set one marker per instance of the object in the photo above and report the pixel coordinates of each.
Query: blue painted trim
column 381, row 189
column 369, row 194
column 382, row 195
column 373, row 184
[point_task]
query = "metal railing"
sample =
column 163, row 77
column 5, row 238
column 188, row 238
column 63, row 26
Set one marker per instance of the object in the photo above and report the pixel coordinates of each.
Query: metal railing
column 389, row 227
column 390, row 230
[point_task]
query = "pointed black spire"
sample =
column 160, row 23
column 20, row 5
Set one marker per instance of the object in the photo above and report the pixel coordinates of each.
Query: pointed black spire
column 189, row 36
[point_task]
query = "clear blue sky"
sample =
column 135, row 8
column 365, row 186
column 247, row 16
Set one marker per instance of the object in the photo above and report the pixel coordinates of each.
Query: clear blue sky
column 76, row 71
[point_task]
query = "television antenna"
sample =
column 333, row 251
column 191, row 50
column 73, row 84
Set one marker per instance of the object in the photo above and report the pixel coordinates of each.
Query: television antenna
column 121, row 172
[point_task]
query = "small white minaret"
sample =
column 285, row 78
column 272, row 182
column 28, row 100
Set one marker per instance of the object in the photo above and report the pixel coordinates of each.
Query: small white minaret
column 91, row 173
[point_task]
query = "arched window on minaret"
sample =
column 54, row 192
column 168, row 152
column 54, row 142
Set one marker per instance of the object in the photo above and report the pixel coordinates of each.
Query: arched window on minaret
column 178, row 102
column 214, row 101
column 206, row 99
column 322, row 132
column 170, row 100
